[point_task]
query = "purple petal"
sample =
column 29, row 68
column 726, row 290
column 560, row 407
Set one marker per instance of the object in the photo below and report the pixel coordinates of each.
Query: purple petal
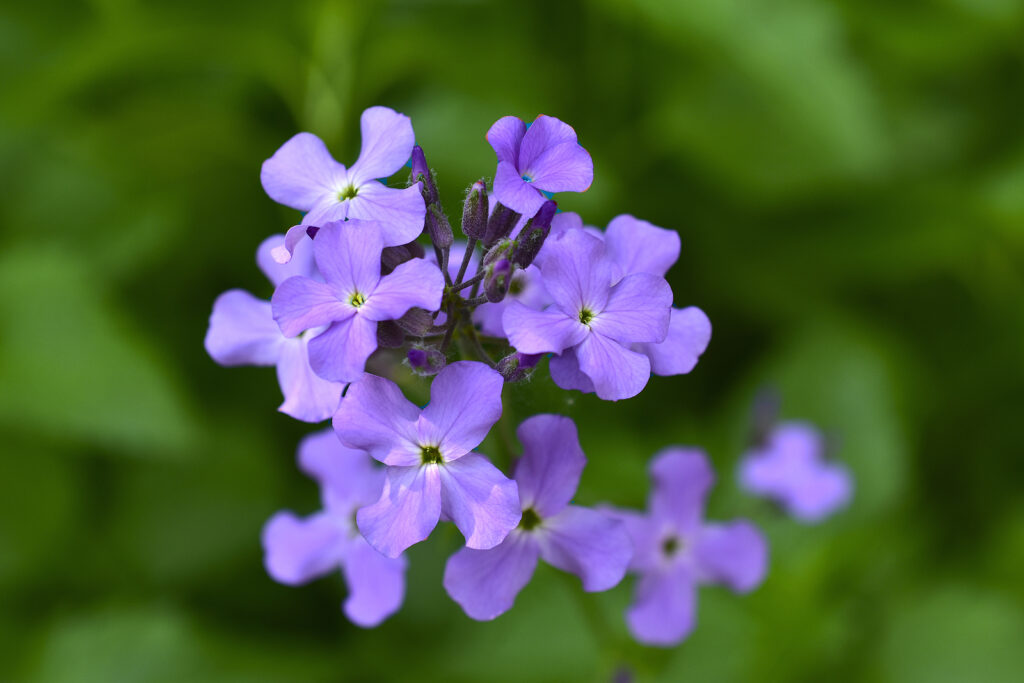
column 300, row 261
column 377, row 418
column 376, row 584
column 646, row 535
column 616, row 372
column 282, row 253
column 563, row 168
column 330, row 209
column 408, row 509
column 387, row 144
column 566, row 220
column 348, row 256
column 485, row 583
column 827, row 488
column 482, row 502
column 550, row 331
column 689, row 332
column 465, row 402
column 511, row 190
column 576, row 273
column 682, row 480
column 637, row 246
column 299, row 550
column 242, row 331
column 552, row 462
column 300, row 304
column 565, row 372
column 735, row 554
column 301, row 172
column 638, row 310
column 307, row 396
column 505, row 136
column 664, row 608
column 339, row 353
column 544, row 133
column 347, row 476
column 415, row 283
column 587, row 543
column 400, row 212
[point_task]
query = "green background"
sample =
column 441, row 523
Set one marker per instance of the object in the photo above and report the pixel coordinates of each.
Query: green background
column 848, row 181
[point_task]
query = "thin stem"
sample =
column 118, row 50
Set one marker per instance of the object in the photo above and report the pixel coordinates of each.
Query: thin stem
column 468, row 283
column 476, row 301
column 476, row 346
column 466, row 258
column 442, row 259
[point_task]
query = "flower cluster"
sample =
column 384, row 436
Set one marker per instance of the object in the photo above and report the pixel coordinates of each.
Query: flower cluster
column 372, row 289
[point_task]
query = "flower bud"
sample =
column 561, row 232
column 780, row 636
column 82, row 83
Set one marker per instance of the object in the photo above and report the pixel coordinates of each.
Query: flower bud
column 389, row 335
column 497, row 280
column 438, row 227
column 425, row 360
column 532, row 237
column 501, row 250
column 518, row 366
column 474, row 211
column 422, row 173
column 392, row 257
column 416, row 322
column 500, row 224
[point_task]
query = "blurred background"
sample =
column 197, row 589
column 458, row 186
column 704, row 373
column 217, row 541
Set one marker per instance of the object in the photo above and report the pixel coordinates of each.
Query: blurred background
column 848, row 181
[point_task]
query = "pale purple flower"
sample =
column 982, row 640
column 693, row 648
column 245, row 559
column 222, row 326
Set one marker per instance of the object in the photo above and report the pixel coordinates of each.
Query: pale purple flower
column 352, row 299
column 431, row 472
column 675, row 550
column 298, row 550
column 596, row 320
column 527, row 287
column 543, row 158
column 242, row 331
column 575, row 539
column 790, row 469
column 303, row 175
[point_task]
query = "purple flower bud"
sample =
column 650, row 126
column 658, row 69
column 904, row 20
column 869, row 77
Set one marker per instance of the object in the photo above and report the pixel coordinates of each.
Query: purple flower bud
column 312, row 230
column 474, row 211
column 532, row 237
column 422, row 173
column 392, row 257
column 497, row 280
column 425, row 360
column 389, row 335
column 416, row 322
column 500, row 224
column 438, row 227
column 499, row 251
column 518, row 366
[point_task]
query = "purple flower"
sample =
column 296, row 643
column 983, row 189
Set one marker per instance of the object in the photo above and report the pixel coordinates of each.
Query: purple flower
column 303, row 175
column 790, row 468
column 596, row 320
column 353, row 299
column 527, row 288
column 242, row 331
column 675, row 550
column 545, row 158
column 298, row 550
column 575, row 539
column 431, row 472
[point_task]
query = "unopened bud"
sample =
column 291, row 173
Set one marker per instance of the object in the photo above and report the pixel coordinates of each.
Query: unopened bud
column 474, row 211
column 392, row 257
column 416, row 322
column 425, row 360
column 501, row 250
column 518, row 366
column 532, row 237
column 389, row 335
column 421, row 173
column 497, row 280
column 500, row 224
column 438, row 227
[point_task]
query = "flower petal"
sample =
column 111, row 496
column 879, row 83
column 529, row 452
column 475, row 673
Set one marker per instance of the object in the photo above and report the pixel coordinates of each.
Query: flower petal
column 511, row 190
column 377, row 418
column 532, row 331
column 415, row 283
column 637, row 246
column 505, row 136
column 544, row 133
column 339, row 353
column 299, row 550
column 689, row 332
column 735, row 554
column 347, row 476
column 300, row 304
column 465, row 402
column 563, row 168
column 485, row 583
column 576, row 272
column 307, row 396
column 616, row 372
column 482, row 502
column 301, row 172
column 408, row 510
column 387, row 140
column 300, row 259
column 376, row 584
column 565, row 372
column 638, row 310
column 552, row 462
column 664, row 608
column 242, row 331
column 589, row 544
column 348, row 256
column 682, row 479
column 399, row 212
column 645, row 534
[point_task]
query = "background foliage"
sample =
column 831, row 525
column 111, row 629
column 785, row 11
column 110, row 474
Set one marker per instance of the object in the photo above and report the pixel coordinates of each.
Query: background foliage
column 848, row 180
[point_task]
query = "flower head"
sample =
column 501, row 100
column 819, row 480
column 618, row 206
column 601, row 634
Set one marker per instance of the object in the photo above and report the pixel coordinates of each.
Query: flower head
column 675, row 550
column 303, row 175
column 298, row 550
column 790, row 469
column 575, row 539
column 431, row 471
column 352, row 299
column 541, row 157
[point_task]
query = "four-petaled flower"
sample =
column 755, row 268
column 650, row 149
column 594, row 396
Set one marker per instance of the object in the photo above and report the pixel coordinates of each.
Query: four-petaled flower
column 298, row 550
column 575, row 539
column 790, row 469
column 596, row 319
column 353, row 298
column 431, row 472
column 543, row 158
column 675, row 550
